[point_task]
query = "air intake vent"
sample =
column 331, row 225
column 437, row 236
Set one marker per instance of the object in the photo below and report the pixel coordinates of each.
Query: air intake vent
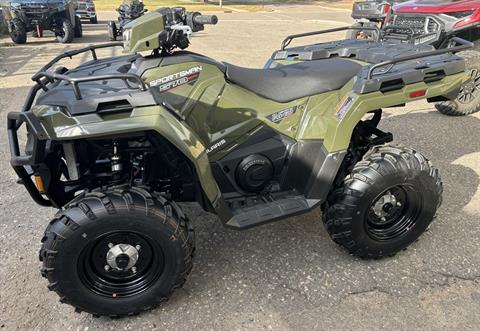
column 118, row 106
column 432, row 26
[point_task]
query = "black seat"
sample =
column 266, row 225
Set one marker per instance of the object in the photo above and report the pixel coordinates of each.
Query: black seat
column 289, row 82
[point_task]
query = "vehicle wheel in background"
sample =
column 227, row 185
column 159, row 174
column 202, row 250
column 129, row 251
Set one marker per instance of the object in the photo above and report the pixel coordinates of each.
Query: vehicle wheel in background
column 18, row 31
column 112, row 31
column 78, row 28
column 66, row 34
column 467, row 101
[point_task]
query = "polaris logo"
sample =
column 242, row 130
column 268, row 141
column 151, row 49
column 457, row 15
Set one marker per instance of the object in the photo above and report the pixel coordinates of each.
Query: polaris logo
column 216, row 145
column 177, row 79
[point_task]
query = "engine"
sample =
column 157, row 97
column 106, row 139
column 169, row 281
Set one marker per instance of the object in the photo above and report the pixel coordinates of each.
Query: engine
column 145, row 160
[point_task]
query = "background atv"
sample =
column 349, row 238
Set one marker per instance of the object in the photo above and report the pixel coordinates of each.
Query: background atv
column 128, row 11
column 115, row 151
column 24, row 16
column 435, row 22
column 372, row 13
column 429, row 22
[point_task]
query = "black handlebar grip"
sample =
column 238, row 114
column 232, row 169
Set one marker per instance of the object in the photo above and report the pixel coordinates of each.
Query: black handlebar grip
column 205, row 19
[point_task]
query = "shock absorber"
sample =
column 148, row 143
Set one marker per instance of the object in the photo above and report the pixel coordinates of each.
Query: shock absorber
column 116, row 159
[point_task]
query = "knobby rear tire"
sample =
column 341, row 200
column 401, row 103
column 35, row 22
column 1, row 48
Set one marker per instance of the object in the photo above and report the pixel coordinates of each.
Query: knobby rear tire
column 383, row 167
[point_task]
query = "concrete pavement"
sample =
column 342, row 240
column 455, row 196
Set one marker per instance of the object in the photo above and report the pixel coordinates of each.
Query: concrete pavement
column 285, row 275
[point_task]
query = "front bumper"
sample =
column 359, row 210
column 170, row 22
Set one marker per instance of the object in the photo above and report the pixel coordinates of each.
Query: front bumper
column 35, row 13
column 85, row 14
column 24, row 164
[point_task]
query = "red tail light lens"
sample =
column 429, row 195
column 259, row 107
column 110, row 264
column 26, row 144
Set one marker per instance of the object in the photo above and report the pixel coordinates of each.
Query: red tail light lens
column 417, row 94
column 386, row 8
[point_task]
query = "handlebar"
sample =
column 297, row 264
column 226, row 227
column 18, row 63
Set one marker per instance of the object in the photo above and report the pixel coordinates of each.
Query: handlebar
column 205, row 19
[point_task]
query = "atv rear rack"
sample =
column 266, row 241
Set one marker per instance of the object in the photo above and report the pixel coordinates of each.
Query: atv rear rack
column 352, row 48
column 463, row 45
column 289, row 39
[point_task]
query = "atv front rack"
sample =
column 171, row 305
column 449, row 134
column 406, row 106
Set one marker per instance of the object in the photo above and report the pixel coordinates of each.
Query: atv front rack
column 75, row 81
column 74, row 52
column 43, row 77
column 51, row 77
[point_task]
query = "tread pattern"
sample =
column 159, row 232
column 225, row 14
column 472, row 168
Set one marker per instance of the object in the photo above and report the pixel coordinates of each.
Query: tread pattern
column 342, row 203
column 69, row 33
column 20, row 35
column 453, row 107
column 83, row 209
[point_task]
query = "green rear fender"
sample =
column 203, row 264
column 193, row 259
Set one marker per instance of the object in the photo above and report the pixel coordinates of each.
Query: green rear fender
column 332, row 117
column 155, row 118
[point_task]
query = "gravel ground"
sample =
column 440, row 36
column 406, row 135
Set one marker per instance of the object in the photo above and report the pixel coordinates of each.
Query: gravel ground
column 281, row 276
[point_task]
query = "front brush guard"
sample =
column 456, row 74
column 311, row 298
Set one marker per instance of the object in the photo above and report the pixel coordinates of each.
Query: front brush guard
column 22, row 164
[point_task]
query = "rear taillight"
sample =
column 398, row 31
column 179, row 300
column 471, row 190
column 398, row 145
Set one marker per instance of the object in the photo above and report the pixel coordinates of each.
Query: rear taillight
column 386, row 8
column 417, row 94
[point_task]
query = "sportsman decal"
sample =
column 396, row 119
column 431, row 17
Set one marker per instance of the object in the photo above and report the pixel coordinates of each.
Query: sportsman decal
column 183, row 77
column 280, row 115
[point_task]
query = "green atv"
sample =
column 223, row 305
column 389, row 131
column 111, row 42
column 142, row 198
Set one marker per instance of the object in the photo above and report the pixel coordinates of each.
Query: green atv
column 116, row 143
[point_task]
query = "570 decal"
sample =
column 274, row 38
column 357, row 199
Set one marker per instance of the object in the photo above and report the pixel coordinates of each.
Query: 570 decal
column 177, row 79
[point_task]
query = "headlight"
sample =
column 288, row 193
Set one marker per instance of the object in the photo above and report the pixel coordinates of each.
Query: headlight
column 15, row 5
column 460, row 14
column 127, row 34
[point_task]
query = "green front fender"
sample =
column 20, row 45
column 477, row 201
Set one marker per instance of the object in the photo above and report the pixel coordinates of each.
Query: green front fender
column 60, row 126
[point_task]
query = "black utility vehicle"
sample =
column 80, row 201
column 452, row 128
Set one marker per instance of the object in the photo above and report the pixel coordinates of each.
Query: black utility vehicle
column 24, row 16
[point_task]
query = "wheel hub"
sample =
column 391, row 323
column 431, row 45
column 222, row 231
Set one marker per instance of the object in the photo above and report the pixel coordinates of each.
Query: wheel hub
column 122, row 256
column 470, row 88
column 384, row 205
